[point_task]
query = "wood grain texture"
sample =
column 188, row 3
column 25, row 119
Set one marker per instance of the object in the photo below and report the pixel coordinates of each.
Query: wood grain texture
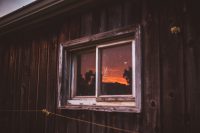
column 151, row 68
column 192, row 66
column 170, row 69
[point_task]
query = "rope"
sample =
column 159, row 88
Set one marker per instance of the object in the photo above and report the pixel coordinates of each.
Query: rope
column 47, row 113
column 21, row 110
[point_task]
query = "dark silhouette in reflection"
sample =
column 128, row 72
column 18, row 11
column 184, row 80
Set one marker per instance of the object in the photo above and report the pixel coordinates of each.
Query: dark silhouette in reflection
column 86, row 86
column 128, row 76
column 108, row 88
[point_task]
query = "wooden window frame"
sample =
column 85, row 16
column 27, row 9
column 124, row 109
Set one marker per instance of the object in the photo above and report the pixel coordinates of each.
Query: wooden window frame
column 111, row 103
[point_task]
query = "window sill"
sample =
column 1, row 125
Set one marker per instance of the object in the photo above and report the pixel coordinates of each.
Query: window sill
column 103, row 106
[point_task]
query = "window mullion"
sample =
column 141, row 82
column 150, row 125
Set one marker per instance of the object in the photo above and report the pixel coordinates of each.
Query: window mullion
column 133, row 69
column 74, row 71
column 97, row 91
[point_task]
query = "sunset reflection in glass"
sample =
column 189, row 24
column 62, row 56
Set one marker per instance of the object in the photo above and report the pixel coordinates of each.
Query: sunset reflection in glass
column 116, row 70
column 86, row 73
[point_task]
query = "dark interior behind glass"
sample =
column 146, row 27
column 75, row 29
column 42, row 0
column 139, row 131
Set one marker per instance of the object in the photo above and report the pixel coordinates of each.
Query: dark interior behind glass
column 85, row 73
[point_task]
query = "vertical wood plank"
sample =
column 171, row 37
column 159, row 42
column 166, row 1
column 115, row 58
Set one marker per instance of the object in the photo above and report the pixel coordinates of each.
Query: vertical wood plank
column 72, row 125
column 63, row 34
column 172, row 71
column 103, row 20
column 131, row 12
column 75, row 26
column 100, row 118
column 84, row 127
column 86, row 24
column 114, row 120
column 151, row 68
column 96, row 21
column 25, row 79
column 13, row 78
column 33, row 86
column 5, row 100
column 61, row 124
column 114, row 16
column 192, row 66
column 51, row 91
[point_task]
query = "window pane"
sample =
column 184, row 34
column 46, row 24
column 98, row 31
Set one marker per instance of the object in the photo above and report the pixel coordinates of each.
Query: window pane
column 86, row 74
column 116, row 70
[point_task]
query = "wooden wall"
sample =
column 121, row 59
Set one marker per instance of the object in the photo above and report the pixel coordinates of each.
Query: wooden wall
column 171, row 69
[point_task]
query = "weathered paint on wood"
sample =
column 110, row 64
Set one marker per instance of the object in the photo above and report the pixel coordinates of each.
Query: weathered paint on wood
column 170, row 70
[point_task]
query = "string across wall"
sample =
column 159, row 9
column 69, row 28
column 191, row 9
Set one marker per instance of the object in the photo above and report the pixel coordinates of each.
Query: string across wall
column 48, row 113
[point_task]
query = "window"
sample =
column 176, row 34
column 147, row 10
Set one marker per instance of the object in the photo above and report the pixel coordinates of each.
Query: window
column 102, row 75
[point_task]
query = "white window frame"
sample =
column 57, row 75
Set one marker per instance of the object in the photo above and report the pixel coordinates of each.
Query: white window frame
column 116, row 103
column 98, row 66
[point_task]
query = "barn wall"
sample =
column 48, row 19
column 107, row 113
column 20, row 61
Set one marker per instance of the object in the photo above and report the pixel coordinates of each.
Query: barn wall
column 171, row 69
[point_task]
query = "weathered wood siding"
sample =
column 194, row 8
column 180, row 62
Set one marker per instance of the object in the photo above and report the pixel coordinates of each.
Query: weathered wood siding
column 170, row 72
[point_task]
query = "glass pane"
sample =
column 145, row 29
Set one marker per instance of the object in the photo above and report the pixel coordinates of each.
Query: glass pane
column 116, row 70
column 86, row 73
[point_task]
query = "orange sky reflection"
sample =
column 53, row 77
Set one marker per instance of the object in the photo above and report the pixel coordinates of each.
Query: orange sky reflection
column 111, row 79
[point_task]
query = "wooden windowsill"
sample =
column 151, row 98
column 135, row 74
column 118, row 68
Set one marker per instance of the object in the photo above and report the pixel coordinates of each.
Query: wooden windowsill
column 127, row 109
